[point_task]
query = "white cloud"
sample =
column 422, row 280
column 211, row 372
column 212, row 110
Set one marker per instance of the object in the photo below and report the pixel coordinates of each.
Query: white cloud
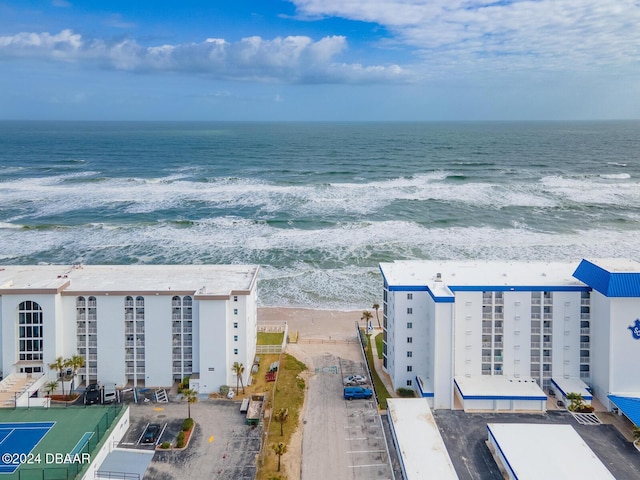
column 291, row 59
column 551, row 35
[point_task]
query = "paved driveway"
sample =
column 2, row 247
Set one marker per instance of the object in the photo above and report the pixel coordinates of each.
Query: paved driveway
column 342, row 439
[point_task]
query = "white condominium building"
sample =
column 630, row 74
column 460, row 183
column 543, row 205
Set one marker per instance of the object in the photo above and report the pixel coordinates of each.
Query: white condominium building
column 493, row 335
column 136, row 325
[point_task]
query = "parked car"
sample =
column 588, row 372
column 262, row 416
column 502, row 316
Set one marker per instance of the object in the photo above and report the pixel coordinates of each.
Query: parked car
column 151, row 433
column 92, row 394
column 357, row 392
column 355, row 380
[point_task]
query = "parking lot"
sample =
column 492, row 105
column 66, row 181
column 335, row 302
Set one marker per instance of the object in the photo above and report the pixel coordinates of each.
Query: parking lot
column 342, row 439
column 465, row 435
column 222, row 446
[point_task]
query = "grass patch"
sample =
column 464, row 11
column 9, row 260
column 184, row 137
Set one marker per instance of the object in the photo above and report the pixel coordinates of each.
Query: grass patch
column 379, row 345
column 265, row 338
column 381, row 390
column 289, row 393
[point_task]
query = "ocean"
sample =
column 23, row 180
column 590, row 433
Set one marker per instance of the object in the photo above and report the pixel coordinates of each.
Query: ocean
column 318, row 205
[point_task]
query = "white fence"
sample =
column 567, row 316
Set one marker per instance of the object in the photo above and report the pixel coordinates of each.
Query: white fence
column 273, row 328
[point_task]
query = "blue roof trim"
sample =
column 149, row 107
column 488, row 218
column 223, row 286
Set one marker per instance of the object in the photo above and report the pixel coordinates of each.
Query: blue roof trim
column 422, row 392
column 630, row 406
column 609, row 284
column 518, row 288
column 422, row 288
column 496, row 397
column 501, row 397
column 408, row 288
column 584, row 397
column 502, row 453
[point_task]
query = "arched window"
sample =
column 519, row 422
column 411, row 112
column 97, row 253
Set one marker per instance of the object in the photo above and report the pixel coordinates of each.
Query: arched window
column 29, row 331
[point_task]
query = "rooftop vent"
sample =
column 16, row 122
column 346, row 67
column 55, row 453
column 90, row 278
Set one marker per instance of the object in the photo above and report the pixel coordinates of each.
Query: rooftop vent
column 438, row 277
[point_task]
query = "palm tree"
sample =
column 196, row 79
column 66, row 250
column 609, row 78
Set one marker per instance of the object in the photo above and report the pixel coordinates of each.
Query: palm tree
column 376, row 307
column 577, row 402
column 366, row 316
column 60, row 365
column 192, row 397
column 76, row 362
column 281, row 416
column 636, row 434
column 49, row 387
column 279, row 449
column 238, row 370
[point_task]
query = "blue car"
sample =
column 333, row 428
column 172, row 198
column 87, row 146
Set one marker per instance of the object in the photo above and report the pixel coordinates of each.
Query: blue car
column 357, row 392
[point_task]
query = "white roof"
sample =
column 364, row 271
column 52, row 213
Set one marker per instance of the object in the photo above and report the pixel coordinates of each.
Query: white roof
column 500, row 273
column 423, row 452
column 535, row 451
column 498, row 386
column 572, row 385
column 201, row 279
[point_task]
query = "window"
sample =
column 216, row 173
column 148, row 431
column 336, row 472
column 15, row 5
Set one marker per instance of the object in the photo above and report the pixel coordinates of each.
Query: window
column 409, row 368
column 235, row 338
column 409, row 354
column 235, row 324
column 235, row 351
column 409, row 324
column 408, row 383
column 409, row 339
column 409, row 296
column 409, row 311
column 30, row 331
column 235, row 311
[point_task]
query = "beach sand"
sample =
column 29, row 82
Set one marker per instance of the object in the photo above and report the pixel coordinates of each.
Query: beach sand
column 312, row 323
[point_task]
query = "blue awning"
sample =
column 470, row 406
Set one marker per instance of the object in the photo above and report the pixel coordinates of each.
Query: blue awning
column 630, row 406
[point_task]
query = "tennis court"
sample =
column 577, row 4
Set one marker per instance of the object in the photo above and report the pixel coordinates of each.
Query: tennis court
column 17, row 440
column 51, row 443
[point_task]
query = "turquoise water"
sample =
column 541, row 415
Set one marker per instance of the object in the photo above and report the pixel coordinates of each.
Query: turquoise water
column 318, row 205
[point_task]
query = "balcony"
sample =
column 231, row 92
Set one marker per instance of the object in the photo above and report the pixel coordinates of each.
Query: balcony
column 586, row 345
column 535, row 331
column 546, row 344
column 585, row 331
column 584, row 375
column 497, row 345
column 585, row 301
column 535, row 344
column 535, row 316
column 548, row 316
column 535, row 359
column 486, row 330
column 92, row 317
column 535, row 301
column 499, row 330
column 584, row 359
column 547, row 330
column 585, row 316
column 487, row 316
column 486, row 358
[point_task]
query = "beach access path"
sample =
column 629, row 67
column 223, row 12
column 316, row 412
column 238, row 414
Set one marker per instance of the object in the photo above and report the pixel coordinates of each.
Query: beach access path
column 340, row 439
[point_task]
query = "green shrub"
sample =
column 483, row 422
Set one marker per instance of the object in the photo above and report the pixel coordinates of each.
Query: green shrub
column 187, row 424
column 165, row 445
column 405, row 392
column 180, row 441
column 224, row 389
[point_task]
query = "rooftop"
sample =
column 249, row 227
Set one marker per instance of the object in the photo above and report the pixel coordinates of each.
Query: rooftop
column 200, row 279
column 424, row 454
column 472, row 273
column 492, row 386
column 563, row 452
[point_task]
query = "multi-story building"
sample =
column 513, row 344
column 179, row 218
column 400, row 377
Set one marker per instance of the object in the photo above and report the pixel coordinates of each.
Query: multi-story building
column 499, row 333
column 137, row 325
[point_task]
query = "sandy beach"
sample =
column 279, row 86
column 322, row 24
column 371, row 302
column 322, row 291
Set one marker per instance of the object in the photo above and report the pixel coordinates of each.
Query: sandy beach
column 315, row 323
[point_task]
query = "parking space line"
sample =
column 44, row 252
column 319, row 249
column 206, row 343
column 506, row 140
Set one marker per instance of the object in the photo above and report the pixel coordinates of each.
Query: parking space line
column 140, row 439
column 369, row 465
column 366, row 451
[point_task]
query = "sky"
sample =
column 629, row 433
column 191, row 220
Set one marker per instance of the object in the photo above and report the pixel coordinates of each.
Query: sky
column 324, row 60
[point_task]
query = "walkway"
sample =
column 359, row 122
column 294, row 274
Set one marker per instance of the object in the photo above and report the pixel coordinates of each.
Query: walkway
column 377, row 363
